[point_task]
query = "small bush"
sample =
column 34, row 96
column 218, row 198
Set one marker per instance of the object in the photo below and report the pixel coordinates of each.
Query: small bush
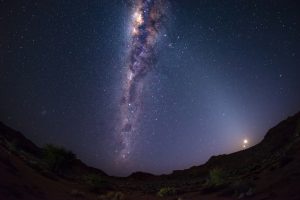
column 76, row 193
column 240, row 188
column 166, row 191
column 57, row 159
column 112, row 196
column 243, row 188
column 12, row 146
column 96, row 183
column 217, row 177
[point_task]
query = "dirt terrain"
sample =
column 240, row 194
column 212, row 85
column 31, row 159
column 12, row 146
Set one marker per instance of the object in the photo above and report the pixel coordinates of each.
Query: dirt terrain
column 268, row 170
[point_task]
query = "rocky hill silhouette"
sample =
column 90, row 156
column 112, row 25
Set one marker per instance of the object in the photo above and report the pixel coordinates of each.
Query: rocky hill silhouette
column 268, row 170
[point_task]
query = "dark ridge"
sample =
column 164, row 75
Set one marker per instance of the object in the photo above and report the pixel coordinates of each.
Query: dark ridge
column 277, row 139
column 10, row 137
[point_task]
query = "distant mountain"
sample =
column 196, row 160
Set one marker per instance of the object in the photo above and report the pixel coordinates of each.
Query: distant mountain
column 277, row 146
column 268, row 170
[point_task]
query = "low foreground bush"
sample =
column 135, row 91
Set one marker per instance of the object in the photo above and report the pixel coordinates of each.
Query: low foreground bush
column 217, row 177
column 112, row 196
column 57, row 159
column 166, row 191
column 96, row 183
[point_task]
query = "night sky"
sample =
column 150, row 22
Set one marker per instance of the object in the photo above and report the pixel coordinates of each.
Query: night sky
column 219, row 72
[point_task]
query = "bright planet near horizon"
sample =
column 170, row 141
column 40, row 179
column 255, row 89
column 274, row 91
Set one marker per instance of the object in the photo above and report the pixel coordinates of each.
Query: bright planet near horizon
column 148, row 85
column 245, row 143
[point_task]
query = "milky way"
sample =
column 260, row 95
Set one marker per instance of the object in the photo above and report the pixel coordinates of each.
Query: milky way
column 145, row 26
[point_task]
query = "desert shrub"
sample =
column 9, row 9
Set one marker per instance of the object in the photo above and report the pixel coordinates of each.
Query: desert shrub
column 12, row 146
column 217, row 177
column 166, row 191
column 243, row 188
column 239, row 188
column 77, row 193
column 149, row 188
column 112, row 196
column 57, row 159
column 96, row 183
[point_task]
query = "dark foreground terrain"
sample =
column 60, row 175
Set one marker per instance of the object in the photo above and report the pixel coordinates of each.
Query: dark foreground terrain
column 269, row 170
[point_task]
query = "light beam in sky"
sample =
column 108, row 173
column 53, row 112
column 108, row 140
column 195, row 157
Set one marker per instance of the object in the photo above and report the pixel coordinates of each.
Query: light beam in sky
column 145, row 27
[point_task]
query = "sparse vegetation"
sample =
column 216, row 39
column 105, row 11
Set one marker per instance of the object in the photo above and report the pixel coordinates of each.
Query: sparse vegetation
column 217, row 177
column 12, row 146
column 243, row 188
column 57, row 159
column 112, row 196
column 76, row 193
column 166, row 191
column 96, row 183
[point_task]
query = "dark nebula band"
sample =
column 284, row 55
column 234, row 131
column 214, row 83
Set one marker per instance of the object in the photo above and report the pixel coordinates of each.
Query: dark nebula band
column 145, row 27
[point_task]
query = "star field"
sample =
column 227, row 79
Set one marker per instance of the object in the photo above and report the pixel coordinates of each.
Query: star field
column 223, row 72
